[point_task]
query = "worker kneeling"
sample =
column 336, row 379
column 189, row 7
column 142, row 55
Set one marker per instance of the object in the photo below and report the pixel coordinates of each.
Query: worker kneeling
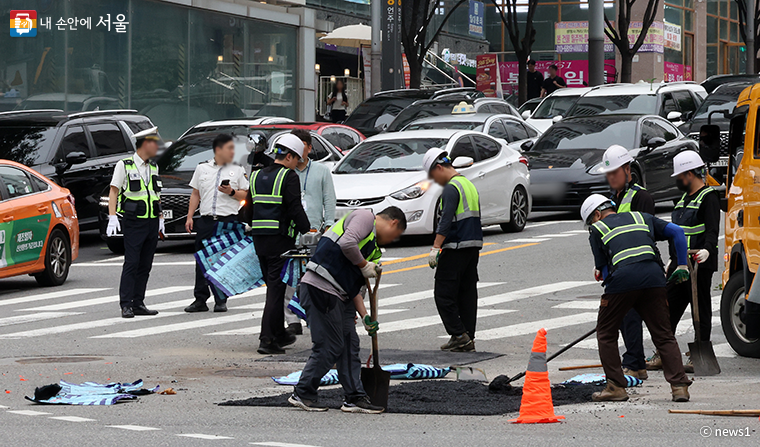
column 330, row 293
column 624, row 257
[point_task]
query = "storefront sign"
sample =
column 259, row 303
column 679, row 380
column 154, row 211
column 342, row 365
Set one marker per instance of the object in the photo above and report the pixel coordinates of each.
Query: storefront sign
column 477, row 17
column 575, row 73
column 675, row 72
column 487, row 78
column 654, row 41
column 572, row 37
column 391, row 38
column 367, row 62
column 672, row 36
column 407, row 72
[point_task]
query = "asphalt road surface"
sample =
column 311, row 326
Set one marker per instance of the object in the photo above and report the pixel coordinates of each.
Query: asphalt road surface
column 541, row 277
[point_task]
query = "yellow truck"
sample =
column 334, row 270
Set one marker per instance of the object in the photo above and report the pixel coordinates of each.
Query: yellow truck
column 740, row 301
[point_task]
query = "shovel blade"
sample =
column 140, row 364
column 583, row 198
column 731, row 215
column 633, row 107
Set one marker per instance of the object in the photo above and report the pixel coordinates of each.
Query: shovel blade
column 703, row 358
column 376, row 383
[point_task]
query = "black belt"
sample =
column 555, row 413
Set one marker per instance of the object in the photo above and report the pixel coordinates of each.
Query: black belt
column 218, row 217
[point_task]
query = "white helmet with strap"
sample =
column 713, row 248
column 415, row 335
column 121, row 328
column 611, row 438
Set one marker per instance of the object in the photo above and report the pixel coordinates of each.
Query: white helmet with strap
column 592, row 203
column 433, row 157
column 614, row 157
column 289, row 142
column 686, row 161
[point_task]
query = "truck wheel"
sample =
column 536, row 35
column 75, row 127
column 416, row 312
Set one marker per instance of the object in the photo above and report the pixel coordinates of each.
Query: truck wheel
column 57, row 260
column 731, row 306
column 116, row 245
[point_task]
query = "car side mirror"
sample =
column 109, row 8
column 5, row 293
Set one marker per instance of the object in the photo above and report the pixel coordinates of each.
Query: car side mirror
column 709, row 143
column 527, row 145
column 525, row 114
column 557, row 119
column 75, row 158
column 686, row 116
column 462, row 162
column 673, row 116
column 655, row 142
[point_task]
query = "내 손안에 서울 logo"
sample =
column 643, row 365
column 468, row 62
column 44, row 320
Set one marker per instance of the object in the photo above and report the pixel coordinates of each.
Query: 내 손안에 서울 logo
column 23, row 23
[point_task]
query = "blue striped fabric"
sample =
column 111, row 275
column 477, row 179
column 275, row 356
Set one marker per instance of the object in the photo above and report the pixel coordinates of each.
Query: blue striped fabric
column 90, row 393
column 399, row 371
column 599, row 379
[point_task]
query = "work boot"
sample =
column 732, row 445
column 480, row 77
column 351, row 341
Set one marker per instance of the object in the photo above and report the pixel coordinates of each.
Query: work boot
column 654, row 362
column 457, row 341
column 631, row 372
column 142, row 310
column 294, row 329
column 688, row 367
column 126, row 312
column 361, row 405
column 680, row 393
column 220, row 307
column 286, row 340
column 305, row 404
column 267, row 347
column 613, row 393
column 469, row 347
column 197, row 306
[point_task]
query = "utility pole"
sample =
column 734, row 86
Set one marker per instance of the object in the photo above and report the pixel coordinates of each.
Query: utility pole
column 750, row 32
column 376, row 52
column 596, row 42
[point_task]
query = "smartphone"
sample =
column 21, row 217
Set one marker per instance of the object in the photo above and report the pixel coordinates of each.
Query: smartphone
column 226, row 182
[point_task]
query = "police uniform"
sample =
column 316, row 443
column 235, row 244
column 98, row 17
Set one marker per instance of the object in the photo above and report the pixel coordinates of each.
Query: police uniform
column 624, row 251
column 456, row 278
column 275, row 194
column 215, row 206
column 699, row 216
column 140, row 206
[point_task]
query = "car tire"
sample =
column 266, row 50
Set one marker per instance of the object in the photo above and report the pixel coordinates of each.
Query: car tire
column 637, row 178
column 116, row 245
column 518, row 211
column 730, row 308
column 57, row 260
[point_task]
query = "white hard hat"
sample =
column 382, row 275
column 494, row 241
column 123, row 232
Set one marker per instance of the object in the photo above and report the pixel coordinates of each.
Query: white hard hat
column 463, row 108
column 289, row 142
column 434, row 156
column 591, row 204
column 686, row 161
column 614, row 157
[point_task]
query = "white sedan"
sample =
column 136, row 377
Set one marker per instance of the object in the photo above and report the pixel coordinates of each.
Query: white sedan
column 386, row 170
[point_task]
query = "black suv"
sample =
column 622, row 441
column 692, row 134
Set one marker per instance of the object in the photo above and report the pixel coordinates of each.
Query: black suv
column 76, row 150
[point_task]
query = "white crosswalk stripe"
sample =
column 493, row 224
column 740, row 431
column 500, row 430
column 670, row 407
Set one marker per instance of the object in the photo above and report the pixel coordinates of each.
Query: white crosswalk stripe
column 432, row 320
column 106, row 300
column 532, row 326
column 528, row 240
column 532, row 291
column 215, row 321
column 425, row 294
column 20, row 319
column 50, row 296
column 86, row 325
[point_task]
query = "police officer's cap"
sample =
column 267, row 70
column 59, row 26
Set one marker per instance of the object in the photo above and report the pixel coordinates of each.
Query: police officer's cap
column 147, row 135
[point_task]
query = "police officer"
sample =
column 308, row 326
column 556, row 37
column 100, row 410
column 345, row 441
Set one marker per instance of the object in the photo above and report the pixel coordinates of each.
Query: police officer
column 628, row 196
column 135, row 194
column 218, row 186
column 330, row 292
column 277, row 216
column 458, row 240
column 625, row 259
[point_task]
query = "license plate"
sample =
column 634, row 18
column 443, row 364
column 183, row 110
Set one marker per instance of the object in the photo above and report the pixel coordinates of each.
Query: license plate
column 721, row 163
column 168, row 214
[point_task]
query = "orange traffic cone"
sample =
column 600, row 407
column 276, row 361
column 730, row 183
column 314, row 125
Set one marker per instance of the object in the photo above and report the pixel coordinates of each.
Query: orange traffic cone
column 536, row 406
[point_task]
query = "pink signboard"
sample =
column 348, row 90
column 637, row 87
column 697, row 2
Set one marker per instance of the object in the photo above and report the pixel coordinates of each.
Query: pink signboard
column 575, row 73
column 674, row 72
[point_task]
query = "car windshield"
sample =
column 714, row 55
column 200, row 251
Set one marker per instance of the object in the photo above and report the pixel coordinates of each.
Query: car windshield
column 554, row 106
column 185, row 154
column 714, row 103
column 459, row 125
column 29, row 145
column 418, row 111
column 225, row 128
column 375, row 115
column 605, row 105
column 587, row 133
column 388, row 156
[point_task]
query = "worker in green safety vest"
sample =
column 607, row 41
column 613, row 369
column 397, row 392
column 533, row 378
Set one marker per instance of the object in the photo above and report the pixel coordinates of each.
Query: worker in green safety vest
column 628, row 196
column 455, row 252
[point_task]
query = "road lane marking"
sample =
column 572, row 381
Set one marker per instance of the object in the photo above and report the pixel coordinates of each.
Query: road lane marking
column 528, row 240
column 85, row 325
column 559, row 235
column 425, row 294
column 133, row 427
column 71, row 419
column 281, row 444
column 579, row 304
column 194, row 324
column 28, row 412
column 531, row 327
column 20, row 319
column 256, row 329
column 485, row 253
column 202, row 436
column 114, row 299
column 724, row 350
column 155, row 264
column 543, row 224
column 530, row 292
column 577, row 231
column 50, row 295
column 433, row 320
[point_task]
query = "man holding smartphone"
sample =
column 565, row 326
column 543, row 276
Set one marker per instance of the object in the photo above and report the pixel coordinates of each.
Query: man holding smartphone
column 218, row 187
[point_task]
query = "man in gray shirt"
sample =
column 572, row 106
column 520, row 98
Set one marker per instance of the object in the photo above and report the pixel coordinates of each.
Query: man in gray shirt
column 330, row 292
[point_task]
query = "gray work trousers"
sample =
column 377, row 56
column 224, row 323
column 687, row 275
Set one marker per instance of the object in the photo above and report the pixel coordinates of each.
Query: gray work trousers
column 334, row 342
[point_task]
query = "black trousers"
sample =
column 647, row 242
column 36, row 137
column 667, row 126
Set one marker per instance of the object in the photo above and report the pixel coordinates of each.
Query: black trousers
column 679, row 298
column 273, row 319
column 204, row 229
column 140, row 240
column 633, row 336
column 456, row 290
column 337, row 116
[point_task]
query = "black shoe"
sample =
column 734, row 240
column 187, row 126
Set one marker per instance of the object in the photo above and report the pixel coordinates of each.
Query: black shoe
column 126, row 312
column 286, row 340
column 305, row 404
column 269, row 348
column 220, row 307
column 197, row 306
column 142, row 310
column 361, row 405
column 294, row 329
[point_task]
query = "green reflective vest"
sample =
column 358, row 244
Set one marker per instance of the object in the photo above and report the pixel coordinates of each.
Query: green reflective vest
column 628, row 240
column 625, row 205
column 268, row 210
column 685, row 216
column 466, row 230
column 140, row 200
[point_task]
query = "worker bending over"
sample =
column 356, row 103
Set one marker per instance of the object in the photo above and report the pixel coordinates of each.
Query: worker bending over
column 628, row 196
column 330, row 292
column 458, row 240
column 624, row 257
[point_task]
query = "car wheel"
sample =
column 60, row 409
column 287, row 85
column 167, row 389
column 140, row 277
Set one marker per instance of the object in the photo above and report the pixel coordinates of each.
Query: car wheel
column 518, row 211
column 57, row 260
column 637, row 178
column 116, row 245
column 731, row 307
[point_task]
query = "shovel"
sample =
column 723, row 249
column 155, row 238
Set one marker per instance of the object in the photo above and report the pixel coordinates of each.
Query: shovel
column 558, row 353
column 702, row 353
column 375, row 381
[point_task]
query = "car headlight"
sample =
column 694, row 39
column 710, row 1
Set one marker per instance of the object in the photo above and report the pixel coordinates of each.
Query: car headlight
column 412, row 192
column 597, row 169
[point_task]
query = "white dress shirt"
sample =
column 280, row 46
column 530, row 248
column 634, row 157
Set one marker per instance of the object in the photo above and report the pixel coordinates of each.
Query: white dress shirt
column 207, row 178
column 120, row 179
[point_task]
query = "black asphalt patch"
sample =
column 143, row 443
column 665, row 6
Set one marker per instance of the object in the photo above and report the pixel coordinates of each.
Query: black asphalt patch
column 388, row 356
column 441, row 397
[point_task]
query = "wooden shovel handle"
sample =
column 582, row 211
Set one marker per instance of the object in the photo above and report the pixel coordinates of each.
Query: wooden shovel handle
column 693, row 267
column 373, row 315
